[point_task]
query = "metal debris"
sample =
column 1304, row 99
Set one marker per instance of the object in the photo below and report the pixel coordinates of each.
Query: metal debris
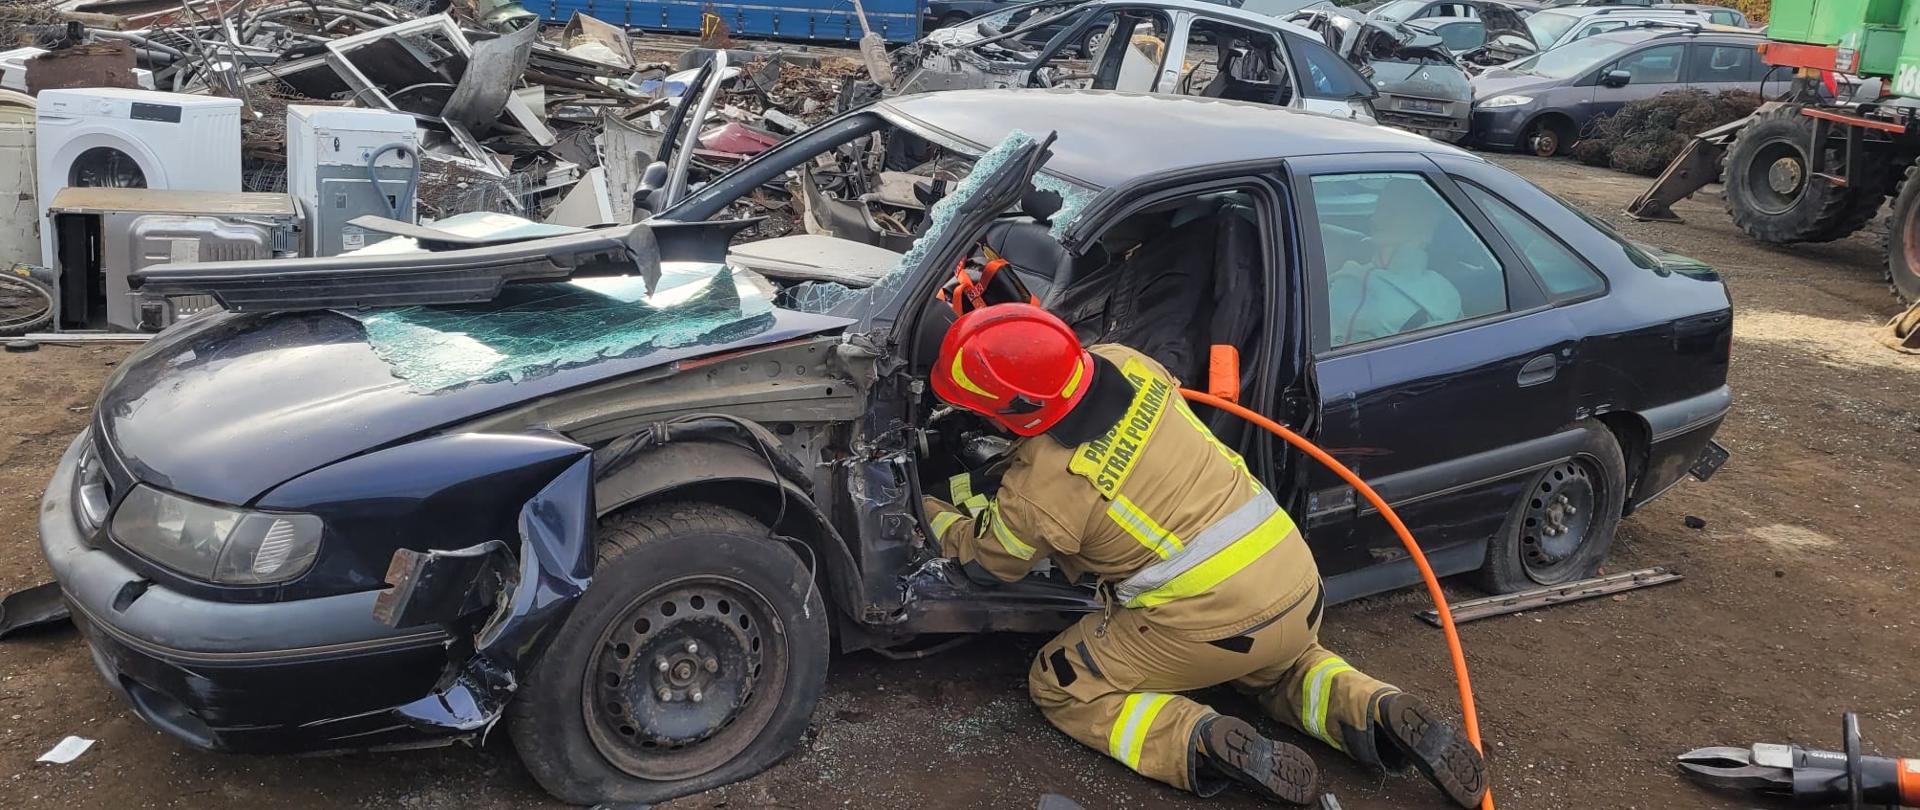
column 512, row 116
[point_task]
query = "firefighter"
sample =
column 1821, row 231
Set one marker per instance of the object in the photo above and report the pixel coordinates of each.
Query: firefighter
column 1206, row 580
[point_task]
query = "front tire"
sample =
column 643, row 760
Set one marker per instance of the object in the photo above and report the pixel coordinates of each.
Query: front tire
column 693, row 660
column 1563, row 523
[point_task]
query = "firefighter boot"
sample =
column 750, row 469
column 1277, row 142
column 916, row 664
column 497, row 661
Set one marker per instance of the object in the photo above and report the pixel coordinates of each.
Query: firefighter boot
column 1433, row 745
column 1230, row 747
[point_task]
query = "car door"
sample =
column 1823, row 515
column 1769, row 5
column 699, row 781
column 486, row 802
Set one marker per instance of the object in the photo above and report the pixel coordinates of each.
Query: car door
column 1651, row 70
column 1325, row 83
column 1438, row 366
column 1717, row 67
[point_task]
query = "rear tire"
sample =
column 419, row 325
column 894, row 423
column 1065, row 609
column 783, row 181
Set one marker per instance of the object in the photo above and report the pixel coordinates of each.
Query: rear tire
column 1563, row 523
column 1772, row 195
column 693, row 660
column 1903, row 239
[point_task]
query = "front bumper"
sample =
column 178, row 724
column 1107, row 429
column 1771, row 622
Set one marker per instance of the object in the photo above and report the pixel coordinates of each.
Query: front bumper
column 1499, row 127
column 301, row 675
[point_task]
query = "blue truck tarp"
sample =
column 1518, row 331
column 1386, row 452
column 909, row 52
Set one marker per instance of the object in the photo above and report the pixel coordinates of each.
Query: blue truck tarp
column 834, row 20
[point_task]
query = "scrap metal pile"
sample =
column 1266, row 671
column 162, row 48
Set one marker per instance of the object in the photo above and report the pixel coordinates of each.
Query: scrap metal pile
column 513, row 117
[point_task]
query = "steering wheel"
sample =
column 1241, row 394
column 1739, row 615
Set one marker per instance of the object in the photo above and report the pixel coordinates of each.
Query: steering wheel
column 983, row 279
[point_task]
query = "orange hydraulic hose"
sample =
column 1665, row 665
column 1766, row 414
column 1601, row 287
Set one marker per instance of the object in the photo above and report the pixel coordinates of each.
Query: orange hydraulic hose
column 1471, row 718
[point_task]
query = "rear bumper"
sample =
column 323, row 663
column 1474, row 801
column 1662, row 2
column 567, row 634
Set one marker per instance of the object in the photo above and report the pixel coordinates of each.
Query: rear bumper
column 1681, row 438
column 304, row 675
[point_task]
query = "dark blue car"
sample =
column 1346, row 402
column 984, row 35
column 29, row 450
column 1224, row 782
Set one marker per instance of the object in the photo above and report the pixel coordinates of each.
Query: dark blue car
column 625, row 496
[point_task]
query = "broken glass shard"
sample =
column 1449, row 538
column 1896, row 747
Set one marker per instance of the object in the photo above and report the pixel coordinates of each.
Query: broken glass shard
column 534, row 329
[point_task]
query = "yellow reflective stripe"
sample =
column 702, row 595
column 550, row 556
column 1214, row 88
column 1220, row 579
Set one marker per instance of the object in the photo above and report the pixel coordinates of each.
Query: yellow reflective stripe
column 961, row 487
column 960, row 376
column 1007, row 538
column 975, row 505
column 1073, row 382
column 1128, row 737
column 1228, row 561
column 942, row 522
column 1316, row 692
column 1150, row 534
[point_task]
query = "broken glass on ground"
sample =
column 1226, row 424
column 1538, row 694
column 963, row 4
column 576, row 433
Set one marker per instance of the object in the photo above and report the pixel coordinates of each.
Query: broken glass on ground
column 534, row 329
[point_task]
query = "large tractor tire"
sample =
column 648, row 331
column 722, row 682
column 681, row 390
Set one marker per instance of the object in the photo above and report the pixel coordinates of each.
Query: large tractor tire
column 1773, row 195
column 1903, row 239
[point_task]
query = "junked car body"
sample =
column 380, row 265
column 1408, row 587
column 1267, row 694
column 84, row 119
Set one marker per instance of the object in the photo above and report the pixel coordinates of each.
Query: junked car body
column 1151, row 46
column 1422, row 87
column 620, row 496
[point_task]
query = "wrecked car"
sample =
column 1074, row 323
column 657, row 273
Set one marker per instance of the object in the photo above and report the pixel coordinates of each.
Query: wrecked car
column 1182, row 47
column 626, row 490
column 1421, row 87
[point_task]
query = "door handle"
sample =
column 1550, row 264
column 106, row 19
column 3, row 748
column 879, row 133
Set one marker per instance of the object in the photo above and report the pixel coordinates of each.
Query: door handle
column 1538, row 370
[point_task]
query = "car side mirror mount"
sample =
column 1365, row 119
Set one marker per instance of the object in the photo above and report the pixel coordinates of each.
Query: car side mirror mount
column 1616, row 78
column 646, row 199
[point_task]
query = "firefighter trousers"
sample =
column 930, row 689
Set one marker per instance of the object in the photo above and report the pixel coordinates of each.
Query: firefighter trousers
column 1116, row 690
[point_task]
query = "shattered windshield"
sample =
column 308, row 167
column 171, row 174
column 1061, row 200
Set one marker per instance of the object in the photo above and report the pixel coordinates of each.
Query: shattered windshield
column 534, row 329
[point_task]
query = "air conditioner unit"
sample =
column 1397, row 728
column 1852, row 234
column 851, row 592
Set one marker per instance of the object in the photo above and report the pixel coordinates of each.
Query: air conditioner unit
column 105, row 234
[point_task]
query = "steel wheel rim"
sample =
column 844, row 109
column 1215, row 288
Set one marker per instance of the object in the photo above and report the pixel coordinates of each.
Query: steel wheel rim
column 1777, row 177
column 1557, row 520
column 685, row 678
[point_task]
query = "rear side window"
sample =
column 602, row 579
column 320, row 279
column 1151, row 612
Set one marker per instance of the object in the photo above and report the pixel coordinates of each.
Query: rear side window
column 1721, row 63
column 1323, row 74
column 1399, row 258
column 1561, row 270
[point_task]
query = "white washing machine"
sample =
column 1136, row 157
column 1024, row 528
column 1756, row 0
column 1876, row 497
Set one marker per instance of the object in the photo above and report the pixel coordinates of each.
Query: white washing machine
column 133, row 139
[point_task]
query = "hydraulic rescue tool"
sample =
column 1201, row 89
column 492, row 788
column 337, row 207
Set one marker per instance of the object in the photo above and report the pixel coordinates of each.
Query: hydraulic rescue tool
column 1810, row 777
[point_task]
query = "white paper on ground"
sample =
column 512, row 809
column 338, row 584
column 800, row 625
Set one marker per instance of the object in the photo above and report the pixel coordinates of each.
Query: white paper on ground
column 67, row 751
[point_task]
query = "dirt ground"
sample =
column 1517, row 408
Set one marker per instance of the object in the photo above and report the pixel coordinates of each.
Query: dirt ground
column 1797, row 606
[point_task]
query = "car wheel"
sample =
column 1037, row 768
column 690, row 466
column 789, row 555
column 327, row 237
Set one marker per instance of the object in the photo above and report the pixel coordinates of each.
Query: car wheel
column 1772, row 193
column 1563, row 523
column 693, row 660
column 1094, row 40
column 952, row 20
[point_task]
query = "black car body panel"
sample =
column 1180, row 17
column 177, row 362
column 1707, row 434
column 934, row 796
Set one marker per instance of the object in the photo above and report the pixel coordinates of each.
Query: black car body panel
column 817, row 426
column 310, row 387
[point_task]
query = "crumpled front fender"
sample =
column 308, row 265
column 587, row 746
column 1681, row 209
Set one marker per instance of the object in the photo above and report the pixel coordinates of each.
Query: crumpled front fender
column 500, row 601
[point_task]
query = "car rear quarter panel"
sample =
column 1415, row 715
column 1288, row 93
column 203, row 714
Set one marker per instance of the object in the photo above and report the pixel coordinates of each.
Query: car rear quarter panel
column 1652, row 362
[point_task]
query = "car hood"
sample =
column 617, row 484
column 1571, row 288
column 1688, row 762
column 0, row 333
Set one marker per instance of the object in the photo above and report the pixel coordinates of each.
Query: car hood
column 1500, row 82
column 227, row 406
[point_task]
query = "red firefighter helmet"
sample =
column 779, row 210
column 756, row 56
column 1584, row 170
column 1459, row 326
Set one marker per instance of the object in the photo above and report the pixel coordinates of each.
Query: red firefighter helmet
column 1016, row 364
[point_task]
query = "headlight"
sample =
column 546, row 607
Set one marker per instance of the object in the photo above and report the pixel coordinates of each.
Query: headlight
column 1506, row 101
column 216, row 543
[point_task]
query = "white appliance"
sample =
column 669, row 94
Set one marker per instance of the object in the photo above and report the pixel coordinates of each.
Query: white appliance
column 134, row 139
column 328, row 149
column 19, row 230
